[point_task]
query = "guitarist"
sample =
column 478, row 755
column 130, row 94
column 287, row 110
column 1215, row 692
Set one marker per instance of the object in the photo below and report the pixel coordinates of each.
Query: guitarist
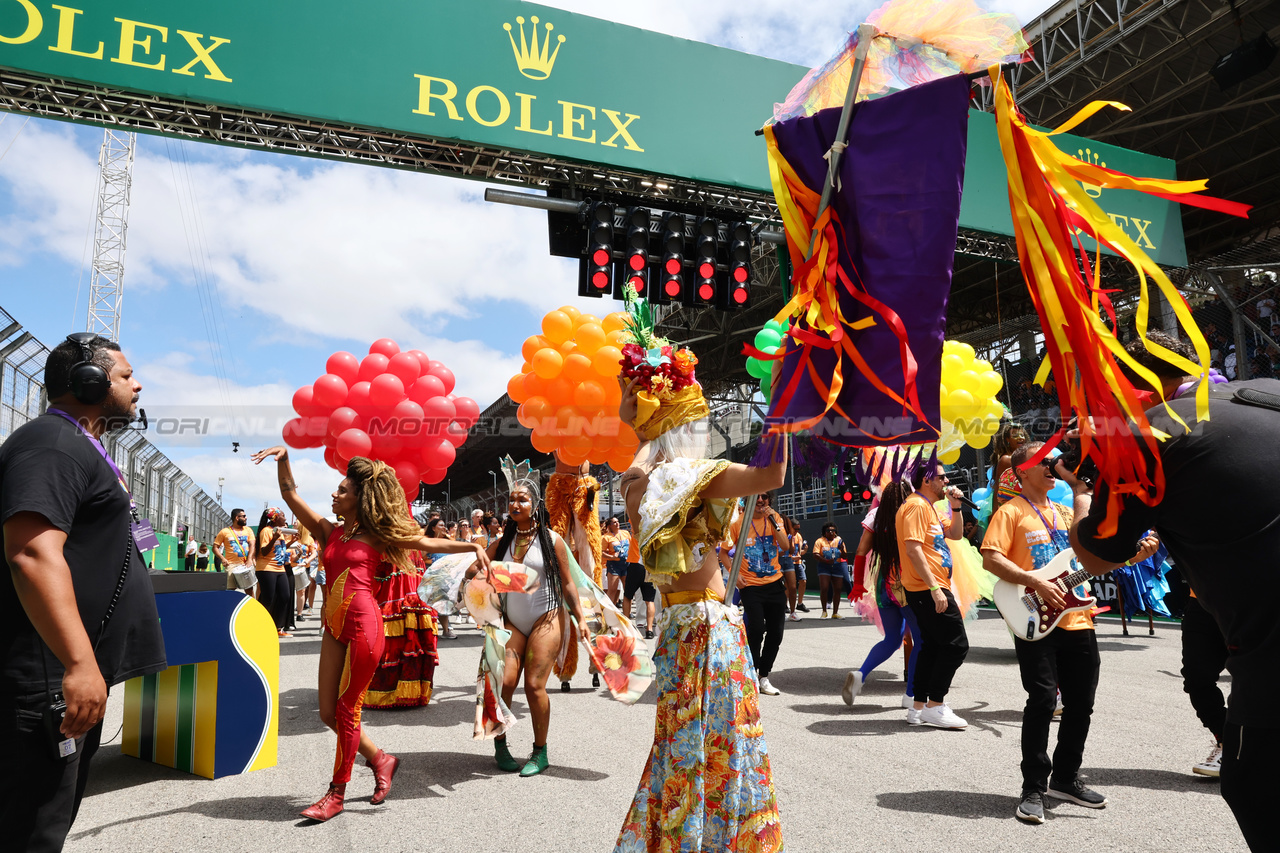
column 1024, row 534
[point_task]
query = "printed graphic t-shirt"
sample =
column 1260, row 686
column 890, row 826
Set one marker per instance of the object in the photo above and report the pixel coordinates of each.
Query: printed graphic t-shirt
column 1016, row 532
column 918, row 521
column 760, row 557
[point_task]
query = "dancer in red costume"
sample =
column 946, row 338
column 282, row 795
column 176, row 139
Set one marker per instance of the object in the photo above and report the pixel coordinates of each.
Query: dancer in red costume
column 376, row 527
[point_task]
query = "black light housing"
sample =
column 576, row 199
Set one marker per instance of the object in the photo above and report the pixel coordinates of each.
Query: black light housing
column 736, row 293
column 706, row 248
column 671, row 280
column 600, row 246
column 635, row 271
column 1250, row 58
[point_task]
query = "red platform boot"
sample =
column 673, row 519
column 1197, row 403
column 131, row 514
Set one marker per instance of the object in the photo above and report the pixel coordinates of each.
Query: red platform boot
column 330, row 805
column 384, row 770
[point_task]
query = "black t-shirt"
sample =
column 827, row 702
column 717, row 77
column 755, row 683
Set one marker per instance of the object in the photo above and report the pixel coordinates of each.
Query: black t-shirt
column 1220, row 518
column 48, row 466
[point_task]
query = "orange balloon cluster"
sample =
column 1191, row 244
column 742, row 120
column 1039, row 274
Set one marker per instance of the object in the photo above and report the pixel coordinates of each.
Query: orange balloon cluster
column 568, row 389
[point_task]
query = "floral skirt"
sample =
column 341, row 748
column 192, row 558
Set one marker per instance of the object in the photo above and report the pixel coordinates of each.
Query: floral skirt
column 409, row 657
column 707, row 785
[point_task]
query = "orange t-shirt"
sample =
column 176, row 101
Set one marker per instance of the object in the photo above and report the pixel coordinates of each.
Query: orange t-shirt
column 267, row 562
column 918, row 521
column 760, row 560
column 1017, row 533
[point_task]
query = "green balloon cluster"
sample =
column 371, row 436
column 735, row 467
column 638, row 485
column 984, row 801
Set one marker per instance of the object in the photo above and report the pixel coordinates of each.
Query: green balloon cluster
column 768, row 339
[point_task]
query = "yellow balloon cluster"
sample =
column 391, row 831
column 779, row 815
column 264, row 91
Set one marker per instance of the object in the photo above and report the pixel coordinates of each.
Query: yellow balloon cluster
column 969, row 408
column 568, row 389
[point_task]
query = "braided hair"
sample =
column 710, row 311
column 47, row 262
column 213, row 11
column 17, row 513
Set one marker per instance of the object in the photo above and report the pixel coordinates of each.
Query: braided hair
column 550, row 561
column 884, row 534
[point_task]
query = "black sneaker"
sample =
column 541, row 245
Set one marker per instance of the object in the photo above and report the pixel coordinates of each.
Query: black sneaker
column 648, row 634
column 1031, row 809
column 1076, row 793
column 800, row 606
column 595, row 679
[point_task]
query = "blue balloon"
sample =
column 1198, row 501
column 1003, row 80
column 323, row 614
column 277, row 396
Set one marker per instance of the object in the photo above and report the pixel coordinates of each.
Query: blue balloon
column 1061, row 493
column 981, row 495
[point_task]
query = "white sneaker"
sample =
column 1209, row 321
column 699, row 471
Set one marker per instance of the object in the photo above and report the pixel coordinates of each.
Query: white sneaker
column 793, row 617
column 1212, row 765
column 1057, row 708
column 913, row 716
column 942, row 717
column 852, row 686
column 768, row 689
column 908, row 701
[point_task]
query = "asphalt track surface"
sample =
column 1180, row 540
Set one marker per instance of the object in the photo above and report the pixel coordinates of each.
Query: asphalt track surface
column 847, row 778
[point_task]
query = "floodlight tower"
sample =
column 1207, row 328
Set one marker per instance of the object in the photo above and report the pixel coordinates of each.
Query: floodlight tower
column 106, row 288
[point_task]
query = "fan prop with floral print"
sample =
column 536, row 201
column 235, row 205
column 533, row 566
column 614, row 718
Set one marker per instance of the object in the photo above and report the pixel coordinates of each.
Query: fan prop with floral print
column 622, row 659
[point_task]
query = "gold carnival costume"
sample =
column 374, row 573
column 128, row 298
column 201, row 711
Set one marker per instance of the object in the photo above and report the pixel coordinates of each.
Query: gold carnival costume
column 572, row 503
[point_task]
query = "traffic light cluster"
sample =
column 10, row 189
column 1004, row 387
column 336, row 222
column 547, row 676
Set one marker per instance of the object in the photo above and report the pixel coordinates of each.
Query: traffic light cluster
column 667, row 257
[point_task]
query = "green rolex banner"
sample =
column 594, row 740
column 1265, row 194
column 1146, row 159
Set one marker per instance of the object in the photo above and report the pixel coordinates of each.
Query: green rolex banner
column 499, row 73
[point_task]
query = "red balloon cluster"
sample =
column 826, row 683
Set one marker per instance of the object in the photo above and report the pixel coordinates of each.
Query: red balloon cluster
column 396, row 406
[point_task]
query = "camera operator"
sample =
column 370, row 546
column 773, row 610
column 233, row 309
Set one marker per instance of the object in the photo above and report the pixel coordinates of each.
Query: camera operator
column 1220, row 519
column 77, row 613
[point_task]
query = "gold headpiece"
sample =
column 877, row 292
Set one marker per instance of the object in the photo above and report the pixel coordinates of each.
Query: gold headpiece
column 654, row 416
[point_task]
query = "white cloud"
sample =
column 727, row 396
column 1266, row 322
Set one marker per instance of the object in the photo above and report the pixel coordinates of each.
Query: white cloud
column 805, row 33
column 250, row 486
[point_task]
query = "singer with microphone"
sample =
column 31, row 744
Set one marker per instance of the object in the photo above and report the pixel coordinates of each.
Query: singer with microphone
column 77, row 613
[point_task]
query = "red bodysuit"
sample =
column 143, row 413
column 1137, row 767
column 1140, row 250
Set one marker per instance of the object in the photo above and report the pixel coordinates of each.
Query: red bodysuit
column 353, row 618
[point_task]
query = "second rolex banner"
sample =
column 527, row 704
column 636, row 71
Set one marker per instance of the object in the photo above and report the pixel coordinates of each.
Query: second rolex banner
column 863, row 366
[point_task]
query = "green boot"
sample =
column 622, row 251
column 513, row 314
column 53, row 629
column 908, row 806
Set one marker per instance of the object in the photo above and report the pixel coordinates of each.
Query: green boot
column 506, row 761
column 537, row 762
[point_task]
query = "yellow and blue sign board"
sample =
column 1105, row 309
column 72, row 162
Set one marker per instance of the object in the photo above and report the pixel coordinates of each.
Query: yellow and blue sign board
column 215, row 711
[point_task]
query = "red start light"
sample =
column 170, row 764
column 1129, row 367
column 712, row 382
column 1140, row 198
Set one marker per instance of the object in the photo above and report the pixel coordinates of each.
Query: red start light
column 638, row 283
column 673, row 288
column 848, row 496
column 740, row 295
column 706, row 270
column 636, row 262
column 600, row 257
column 866, row 495
column 706, row 291
column 600, row 280
column 673, row 266
column 740, row 275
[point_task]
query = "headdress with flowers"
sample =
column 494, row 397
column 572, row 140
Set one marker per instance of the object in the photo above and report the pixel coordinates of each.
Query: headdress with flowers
column 668, row 391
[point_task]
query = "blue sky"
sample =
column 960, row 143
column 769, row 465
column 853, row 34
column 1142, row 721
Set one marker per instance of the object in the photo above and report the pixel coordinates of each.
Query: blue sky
column 245, row 270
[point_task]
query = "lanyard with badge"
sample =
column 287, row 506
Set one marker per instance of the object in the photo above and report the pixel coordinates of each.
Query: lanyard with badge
column 144, row 536
column 1057, row 536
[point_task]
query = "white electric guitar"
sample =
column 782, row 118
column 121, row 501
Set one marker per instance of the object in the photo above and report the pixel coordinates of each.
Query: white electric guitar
column 1032, row 619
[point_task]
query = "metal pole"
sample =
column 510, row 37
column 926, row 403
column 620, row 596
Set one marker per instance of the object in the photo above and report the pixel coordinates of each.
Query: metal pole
column 1238, row 320
column 866, row 32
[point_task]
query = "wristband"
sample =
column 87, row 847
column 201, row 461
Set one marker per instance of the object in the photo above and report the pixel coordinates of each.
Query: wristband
column 935, row 588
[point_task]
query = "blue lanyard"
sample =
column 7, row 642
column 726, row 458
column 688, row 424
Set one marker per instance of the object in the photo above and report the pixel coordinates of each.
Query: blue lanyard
column 1048, row 529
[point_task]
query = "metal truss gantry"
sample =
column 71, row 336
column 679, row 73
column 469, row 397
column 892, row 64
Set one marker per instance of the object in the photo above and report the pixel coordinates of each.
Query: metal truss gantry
column 115, row 179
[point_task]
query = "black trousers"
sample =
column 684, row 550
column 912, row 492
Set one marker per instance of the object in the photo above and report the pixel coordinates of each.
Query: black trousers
column 1066, row 661
column 274, row 595
column 1204, row 657
column 39, row 794
column 943, row 645
column 765, row 610
column 291, row 612
column 1249, row 758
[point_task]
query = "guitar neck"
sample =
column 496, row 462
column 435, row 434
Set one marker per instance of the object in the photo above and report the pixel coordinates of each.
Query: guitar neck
column 1074, row 579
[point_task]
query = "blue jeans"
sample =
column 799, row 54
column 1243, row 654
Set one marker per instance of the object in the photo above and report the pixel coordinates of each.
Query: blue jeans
column 896, row 621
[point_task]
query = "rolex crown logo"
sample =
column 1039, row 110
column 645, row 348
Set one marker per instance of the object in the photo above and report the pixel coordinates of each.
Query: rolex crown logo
column 532, row 59
column 1087, row 155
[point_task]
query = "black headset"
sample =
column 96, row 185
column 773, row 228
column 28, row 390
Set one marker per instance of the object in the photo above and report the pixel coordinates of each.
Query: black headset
column 89, row 382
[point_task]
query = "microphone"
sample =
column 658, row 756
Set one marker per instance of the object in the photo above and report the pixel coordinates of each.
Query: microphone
column 142, row 418
column 966, row 502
